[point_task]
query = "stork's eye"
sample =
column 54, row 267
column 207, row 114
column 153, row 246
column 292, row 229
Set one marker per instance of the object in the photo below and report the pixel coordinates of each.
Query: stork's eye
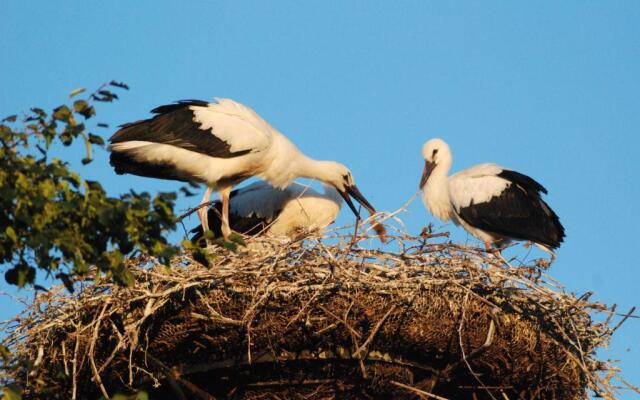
column 433, row 154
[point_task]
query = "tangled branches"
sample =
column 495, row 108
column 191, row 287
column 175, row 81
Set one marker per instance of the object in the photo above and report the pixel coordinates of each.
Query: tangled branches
column 318, row 318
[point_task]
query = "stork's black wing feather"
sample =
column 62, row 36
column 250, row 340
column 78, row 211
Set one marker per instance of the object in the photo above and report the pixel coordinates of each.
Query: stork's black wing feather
column 524, row 181
column 518, row 212
column 174, row 125
column 179, row 105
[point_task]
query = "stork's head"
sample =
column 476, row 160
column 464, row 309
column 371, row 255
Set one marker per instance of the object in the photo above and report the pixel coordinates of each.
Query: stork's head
column 435, row 152
column 339, row 176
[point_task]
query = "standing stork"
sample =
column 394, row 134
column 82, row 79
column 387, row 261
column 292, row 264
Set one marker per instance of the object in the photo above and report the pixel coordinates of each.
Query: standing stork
column 262, row 209
column 220, row 144
column 493, row 203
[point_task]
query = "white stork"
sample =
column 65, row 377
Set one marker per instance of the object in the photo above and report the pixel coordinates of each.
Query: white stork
column 492, row 203
column 220, row 144
column 262, row 209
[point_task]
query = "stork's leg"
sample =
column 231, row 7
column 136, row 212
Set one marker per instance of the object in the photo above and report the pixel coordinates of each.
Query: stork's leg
column 497, row 251
column 203, row 212
column 224, row 226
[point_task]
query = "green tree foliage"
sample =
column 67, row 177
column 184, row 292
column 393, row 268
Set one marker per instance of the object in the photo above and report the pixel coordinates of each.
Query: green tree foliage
column 53, row 220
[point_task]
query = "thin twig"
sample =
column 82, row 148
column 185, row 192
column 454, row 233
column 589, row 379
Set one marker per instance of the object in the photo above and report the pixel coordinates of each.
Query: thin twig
column 365, row 346
column 417, row 391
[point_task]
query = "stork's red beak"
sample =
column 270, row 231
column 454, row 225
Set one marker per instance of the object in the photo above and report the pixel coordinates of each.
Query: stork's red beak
column 426, row 172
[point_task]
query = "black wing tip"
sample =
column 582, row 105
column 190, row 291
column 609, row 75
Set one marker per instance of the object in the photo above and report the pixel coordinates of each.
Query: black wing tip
column 120, row 135
column 556, row 229
column 178, row 105
column 523, row 180
column 553, row 235
column 129, row 124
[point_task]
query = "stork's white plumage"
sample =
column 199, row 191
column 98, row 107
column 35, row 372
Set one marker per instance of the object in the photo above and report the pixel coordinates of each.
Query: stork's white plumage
column 262, row 209
column 220, row 144
column 492, row 203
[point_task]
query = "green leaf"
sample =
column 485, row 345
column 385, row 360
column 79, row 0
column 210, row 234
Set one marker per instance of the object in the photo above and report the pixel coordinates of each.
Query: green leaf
column 39, row 112
column 66, row 138
column 237, row 238
column 80, row 105
column 83, row 108
column 200, row 257
column 20, row 275
column 95, row 139
column 141, row 396
column 62, row 113
column 76, row 92
column 231, row 246
column 126, row 278
column 11, row 392
column 26, row 275
column 185, row 190
column 121, row 273
column 4, row 352
column 104, row 96
column 66, row 280
column 11, row 234
column 119, row 85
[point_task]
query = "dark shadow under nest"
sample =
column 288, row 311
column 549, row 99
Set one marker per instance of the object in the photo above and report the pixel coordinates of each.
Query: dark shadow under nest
column 313, row 320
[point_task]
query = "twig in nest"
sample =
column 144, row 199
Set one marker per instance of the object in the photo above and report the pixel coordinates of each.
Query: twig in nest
column 365, row 345
column 626, row 316
column 342, row 321
column 194, row 209
column 170, row 375
column 354, row 238
column 487, row 343
column 304, row 307
column 92, row 346
column 417, row 391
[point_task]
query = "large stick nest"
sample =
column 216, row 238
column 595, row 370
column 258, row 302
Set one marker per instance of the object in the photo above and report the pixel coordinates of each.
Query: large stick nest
column 319, row 318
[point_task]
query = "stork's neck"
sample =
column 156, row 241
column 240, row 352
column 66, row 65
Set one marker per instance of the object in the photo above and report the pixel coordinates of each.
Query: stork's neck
column 435, row 193
column 283, row 170
column 314, row 169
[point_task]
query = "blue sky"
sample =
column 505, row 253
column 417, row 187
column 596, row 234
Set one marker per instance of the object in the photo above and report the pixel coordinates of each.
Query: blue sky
column 549, row 89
